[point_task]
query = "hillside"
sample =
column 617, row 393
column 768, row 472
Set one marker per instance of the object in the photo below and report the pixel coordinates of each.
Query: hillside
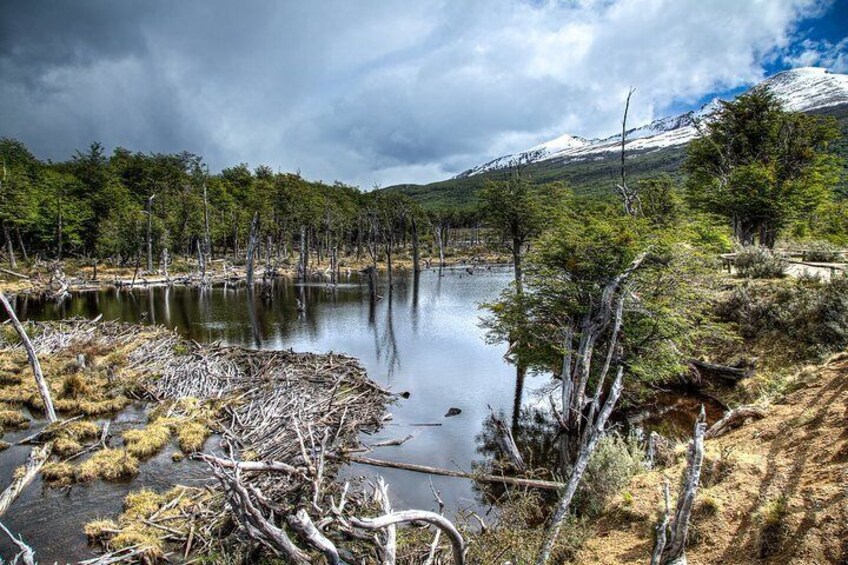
column 591, row 166
column 773, row 491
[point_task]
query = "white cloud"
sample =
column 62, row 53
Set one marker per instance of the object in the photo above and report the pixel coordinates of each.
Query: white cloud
column 376, row 92
column 833, row 56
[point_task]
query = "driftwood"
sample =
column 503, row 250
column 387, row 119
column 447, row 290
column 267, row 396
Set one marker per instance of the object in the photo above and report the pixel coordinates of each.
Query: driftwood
column 408, row 516
column 37, row 457
column 673, row 551
column 14, row 274
column 725, row 372
column 662, row 528
column 26, row 553
column 515, row 481
column 506, row 444
column 734, row 419
column 43, row 389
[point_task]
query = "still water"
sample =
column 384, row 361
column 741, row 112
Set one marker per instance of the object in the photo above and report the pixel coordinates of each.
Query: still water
column 423, row 338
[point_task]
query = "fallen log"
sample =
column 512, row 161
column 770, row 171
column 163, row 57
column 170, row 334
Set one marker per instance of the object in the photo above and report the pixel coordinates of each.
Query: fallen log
column 43, row 388
column 734, row 419
column 483, row 478
column 26, row 553
column 37, row 457
column 726, row 372
column 14, row 274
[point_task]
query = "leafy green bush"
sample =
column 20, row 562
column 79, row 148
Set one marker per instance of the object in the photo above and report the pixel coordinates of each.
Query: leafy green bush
column 755, row 262
column 615, row 461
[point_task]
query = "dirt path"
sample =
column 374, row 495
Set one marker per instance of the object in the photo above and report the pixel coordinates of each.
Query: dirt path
column 797, row 454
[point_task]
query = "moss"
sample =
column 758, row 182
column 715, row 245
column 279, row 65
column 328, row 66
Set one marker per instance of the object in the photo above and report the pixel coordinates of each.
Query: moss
column 192, row 435
column 109, row 465
column 65, row 447
column 177, row 456
column 4, row 445
column 98, row 530
column 140, row 505
column 75, row 386
column 58, row 474
column 13, row 419
column 148, row 441
column 145, row 538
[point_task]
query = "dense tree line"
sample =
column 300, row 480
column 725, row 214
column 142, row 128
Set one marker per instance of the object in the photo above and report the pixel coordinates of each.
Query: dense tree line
column 134, row 208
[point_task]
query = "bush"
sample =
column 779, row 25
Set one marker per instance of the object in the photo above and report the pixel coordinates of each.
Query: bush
column 615, row 461
column 754, row 262
column 809, row 315
column 821, row 252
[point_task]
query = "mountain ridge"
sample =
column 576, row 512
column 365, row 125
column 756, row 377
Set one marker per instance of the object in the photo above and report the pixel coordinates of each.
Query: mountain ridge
column 801, row 90
column 657, row 147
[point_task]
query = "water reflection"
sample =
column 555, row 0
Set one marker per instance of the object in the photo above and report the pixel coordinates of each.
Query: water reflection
column 422, row 337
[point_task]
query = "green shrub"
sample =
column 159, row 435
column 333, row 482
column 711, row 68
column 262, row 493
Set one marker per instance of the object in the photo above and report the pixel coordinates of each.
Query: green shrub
column 821, row 252
column 755, row 262
column 615, row 461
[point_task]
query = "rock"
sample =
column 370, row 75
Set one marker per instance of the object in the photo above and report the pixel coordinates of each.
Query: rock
column 453, row 412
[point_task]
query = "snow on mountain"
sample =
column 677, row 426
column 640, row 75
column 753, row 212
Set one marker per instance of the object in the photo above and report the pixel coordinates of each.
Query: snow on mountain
column 800, row 90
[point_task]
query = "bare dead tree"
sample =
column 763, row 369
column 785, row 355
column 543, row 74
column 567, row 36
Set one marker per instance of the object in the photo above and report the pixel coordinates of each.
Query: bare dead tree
column 577, row 364
column 10, row 251
column 25, row 553
column 149, row 213
column 43, row 388
column 563, row 508
column 251, row 247
column 506, row 443
column 673, row 549
column 734, row 419
column 416, row 255
column 632, row 202
column 207, row 241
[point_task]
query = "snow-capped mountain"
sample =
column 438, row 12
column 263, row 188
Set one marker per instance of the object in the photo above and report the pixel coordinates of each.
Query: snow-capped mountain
column 800, row 90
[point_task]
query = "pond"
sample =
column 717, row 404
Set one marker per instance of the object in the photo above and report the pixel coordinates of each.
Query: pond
column 423, row 338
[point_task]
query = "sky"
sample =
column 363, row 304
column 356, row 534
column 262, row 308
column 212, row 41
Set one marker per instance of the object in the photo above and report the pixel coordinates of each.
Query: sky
column 375, row 93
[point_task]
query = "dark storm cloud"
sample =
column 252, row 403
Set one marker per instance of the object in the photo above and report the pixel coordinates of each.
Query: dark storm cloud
column 365, row 91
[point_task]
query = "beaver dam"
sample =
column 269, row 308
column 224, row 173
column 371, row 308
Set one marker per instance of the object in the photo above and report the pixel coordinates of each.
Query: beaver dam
column 284, row 421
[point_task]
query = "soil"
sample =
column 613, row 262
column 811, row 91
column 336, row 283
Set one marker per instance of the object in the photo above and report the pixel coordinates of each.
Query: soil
column 797, row 455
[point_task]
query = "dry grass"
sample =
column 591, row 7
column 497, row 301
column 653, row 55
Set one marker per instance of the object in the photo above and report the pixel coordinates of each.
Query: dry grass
column 13, row 419
column 148, row 441
column 58, row 474
column 109, row 465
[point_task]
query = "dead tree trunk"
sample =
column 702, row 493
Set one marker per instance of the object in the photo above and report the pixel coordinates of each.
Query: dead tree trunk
column 632, row 203
column 201, row 263
column 37, row 457
column 416, row 255
column 506, row 443
column 207, row 241
column 304, row 255
column 251, row 248
column 10, row 250
column 150, row 233
column 43, row 389
column 734, row 419
column 674, row 550
column 563, row 508
column 437, row 231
